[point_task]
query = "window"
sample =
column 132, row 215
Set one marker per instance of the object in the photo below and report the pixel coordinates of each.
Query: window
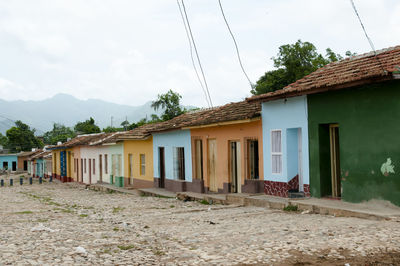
column 106, row 163
column 119, row 165
column 130, row 169
column 276, row 151
column 252, row 151
column 198, row 158
column 142, row 164
column 85, row 166
column 94, row 166
column 179, row 163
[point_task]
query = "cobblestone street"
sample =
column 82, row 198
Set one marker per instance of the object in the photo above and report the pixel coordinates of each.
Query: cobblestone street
column 66, row 224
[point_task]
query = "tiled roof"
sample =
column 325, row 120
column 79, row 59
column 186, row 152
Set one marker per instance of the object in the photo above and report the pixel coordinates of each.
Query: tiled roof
column 40, row 154
column 349, row 72
column 229, row 112
column 82, row 140
column 28, row 153
column 138, row 133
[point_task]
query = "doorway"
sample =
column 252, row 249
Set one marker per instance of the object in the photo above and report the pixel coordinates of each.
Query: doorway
column 335, row 160
column 329, row 159
column 14, row 166
column 161, row 156
column 82, row 170
column 5, row 165
column 25, row 165
column 235, row 169
column 212, row 165
column 90, row 171
column 100, row 168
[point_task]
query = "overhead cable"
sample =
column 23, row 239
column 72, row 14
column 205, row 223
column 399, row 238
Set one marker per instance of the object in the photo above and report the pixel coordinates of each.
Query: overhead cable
column 197, row 54
column 236, row 46
column 191, row 54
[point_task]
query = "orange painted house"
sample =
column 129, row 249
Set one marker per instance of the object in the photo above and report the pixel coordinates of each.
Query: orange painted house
column 227, row 149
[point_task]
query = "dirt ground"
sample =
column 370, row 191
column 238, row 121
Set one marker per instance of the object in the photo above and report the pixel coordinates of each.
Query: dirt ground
column 60, row 224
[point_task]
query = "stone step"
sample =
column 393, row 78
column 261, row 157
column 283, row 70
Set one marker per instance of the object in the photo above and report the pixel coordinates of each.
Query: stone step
column 294, row 195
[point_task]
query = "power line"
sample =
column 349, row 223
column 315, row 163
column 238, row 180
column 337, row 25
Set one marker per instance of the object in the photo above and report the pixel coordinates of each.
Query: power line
column 236, row 46
column 362, row 25
column 197, row 54
column 191, row 53
column 366, row 35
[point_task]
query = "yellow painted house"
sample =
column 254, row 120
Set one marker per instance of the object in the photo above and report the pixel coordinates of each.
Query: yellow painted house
column 137, row 157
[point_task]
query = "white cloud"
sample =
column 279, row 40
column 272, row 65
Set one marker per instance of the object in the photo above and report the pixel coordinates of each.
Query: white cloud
column 129, row 51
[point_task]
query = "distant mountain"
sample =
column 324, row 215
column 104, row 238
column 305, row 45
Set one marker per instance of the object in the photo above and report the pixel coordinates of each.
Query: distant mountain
column 67, row 110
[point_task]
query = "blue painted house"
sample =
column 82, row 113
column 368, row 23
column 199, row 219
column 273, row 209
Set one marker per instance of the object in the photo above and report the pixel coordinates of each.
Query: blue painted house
column 172, row 153
column 9, row 161
column 285, row 146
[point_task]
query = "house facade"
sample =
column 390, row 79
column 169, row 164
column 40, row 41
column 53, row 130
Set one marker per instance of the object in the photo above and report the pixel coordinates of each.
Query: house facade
column 172, row 161
column 351, row 110
column 285, row 148
column 9, row 162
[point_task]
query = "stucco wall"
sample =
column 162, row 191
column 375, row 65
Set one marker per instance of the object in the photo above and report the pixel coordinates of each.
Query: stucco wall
column 93, row 152
column 169, row 140
column 223, row 135
column 137, row 147
column 286, row 115
column 369, row 130
column 9, row 159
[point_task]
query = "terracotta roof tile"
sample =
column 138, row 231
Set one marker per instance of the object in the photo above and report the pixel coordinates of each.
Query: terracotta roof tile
column 229, row 112
column 348, row 72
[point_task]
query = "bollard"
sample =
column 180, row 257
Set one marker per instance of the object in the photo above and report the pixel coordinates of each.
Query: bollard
column 21, row 181
column 11, row 182
column 40, row 180
column 30, row 180
column 2, row 182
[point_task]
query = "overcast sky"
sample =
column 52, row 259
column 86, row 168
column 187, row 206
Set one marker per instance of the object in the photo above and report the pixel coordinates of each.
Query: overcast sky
column 128, row 51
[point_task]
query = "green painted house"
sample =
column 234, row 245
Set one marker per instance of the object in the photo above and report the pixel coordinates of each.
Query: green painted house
column 353, row 109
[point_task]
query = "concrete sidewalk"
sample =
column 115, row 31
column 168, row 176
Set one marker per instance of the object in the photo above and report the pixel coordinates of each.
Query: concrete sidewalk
column 375, row 210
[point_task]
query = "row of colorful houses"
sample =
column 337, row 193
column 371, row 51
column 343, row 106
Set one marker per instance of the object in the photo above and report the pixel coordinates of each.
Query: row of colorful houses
column 330, row 134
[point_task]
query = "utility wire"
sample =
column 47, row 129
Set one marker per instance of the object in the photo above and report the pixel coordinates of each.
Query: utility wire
column 191, row 54
column 362, row 25
column 236, row 46
column 366, row 35
column 197, row 54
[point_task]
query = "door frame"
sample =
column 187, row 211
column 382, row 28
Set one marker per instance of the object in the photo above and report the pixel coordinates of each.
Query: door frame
column 161, row 164
column 100, row 168
column 213, row 188
column 335, row 159
column 235, row 178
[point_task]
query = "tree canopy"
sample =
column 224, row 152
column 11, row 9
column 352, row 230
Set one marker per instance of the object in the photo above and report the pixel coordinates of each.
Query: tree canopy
column 58, row 133
column 293, row 62
column 86, row 127
column 22, row 138
column 3, row 140
column 170, row 103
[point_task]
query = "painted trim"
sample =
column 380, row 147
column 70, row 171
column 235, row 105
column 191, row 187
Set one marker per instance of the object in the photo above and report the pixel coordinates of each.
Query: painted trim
column 226, row 123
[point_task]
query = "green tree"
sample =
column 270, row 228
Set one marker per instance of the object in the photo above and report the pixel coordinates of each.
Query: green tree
column 170, row 103
column 3, row 140
column 125, row 124
column 293, row 62
column 110, row 129
column 22, row 138
column 86, row 127
column 58, row 133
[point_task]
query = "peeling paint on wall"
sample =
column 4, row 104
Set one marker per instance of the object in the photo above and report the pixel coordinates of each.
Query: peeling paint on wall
column 387, row 167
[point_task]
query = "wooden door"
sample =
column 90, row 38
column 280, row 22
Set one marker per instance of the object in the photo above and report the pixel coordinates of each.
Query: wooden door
column 212, row 165
column 335, row 159
column 161, row 156
column 235, row 167
column 82, row 170
column 90, row 171
column 101, row 168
